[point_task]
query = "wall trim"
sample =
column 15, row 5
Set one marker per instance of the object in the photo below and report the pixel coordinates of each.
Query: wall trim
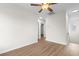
column 63, row 43
column 5, row 51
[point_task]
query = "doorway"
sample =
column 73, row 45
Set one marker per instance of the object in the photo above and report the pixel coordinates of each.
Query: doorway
column 73, row 27
column 41, row 29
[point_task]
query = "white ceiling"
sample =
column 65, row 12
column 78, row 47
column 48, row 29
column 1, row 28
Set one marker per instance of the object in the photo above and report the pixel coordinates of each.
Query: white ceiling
column 57, row 7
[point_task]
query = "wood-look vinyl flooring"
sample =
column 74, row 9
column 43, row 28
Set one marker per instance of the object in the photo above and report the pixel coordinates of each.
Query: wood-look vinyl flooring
column 45, row 48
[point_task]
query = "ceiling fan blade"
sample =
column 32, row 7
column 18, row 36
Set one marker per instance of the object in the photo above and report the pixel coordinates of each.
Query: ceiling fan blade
column 52, row 3
column 40, row 10
column 35, row 4
column 50, row 9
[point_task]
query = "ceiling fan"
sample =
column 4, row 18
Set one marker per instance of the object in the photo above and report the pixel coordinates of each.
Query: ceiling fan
column 44, row 6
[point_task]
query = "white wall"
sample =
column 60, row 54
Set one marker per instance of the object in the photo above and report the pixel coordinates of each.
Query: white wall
column 18, row 27
column 56, row 28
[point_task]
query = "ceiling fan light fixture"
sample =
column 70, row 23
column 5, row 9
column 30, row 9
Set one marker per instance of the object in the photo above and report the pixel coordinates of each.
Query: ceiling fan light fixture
column 45, row 6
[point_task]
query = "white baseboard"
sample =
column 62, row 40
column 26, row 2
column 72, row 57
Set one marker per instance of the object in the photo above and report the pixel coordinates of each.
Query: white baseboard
column 15, row 48
column 63, row 43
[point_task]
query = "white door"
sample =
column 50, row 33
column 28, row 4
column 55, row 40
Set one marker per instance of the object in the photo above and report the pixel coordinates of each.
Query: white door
column 74, row 27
